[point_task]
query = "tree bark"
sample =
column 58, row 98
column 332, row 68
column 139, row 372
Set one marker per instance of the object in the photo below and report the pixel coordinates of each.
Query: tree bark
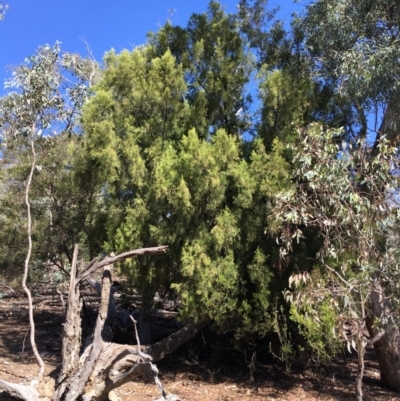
column 165, row 347
column 78, row 381
column 28, row 256
column 387, row 351
column 387, row 348
column 72, row 331
column 26, row 393
column 360, row 367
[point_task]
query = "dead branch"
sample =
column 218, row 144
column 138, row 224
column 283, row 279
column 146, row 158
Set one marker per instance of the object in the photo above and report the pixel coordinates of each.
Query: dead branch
column 96, row 264
column 79, row 381
column 26, row 393
column 163, row 348
column 72, row 327
column 103, row 366
column 6, row 286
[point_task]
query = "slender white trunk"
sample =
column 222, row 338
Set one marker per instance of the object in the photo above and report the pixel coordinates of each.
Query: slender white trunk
column 28, row 258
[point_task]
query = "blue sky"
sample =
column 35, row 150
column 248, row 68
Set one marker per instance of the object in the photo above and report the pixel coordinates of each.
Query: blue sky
column 120, row 24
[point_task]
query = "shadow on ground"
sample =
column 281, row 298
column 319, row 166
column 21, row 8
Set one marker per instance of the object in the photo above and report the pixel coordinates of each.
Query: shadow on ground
column 203, row 363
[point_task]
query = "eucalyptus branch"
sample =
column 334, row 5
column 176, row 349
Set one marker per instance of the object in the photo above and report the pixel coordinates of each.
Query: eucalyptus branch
column 338, row 275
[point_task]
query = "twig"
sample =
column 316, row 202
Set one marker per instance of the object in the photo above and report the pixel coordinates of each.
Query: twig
column 338, row 275
column 137, row 335
column 4, row 285
column 61, row 299
column 93, row 61
column 23, row 342
column 153, row 367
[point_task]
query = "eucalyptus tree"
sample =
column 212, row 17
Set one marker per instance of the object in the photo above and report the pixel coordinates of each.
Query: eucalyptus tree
column 355, row 46
column 352, row 200
column 46, row 93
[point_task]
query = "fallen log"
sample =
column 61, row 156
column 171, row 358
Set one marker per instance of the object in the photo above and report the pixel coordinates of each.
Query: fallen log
column 102, row 366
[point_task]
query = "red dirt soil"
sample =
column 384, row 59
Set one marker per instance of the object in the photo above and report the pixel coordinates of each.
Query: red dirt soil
column 333, row 383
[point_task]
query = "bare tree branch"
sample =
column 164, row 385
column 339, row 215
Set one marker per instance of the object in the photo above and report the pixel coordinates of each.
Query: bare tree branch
column 97, row 264
column 6, row 286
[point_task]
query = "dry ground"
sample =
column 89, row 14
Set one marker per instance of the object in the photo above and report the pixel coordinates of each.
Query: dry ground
column 334, row 382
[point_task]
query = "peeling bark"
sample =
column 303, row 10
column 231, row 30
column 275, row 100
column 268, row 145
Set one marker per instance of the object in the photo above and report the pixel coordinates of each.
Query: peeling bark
column 387, row 345
column 71, row 336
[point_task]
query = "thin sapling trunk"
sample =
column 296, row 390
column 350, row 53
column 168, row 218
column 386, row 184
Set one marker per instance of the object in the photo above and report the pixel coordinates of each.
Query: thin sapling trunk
column 28, row 258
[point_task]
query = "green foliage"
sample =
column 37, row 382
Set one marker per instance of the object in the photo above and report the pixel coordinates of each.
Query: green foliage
column 349, row 195
column 171, row 177
column 356, row 45
column 358, row 39
column 48, row 90
column 318, row 325
column 286, row 102
column 343, row 189
column 218, row 66
column 214, row 201
column 167, row 158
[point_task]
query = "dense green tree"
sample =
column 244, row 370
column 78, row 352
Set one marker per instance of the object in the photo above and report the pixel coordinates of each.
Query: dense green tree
column 292, row 93
column 218, row 67
column 136, row 112
column 160, row 143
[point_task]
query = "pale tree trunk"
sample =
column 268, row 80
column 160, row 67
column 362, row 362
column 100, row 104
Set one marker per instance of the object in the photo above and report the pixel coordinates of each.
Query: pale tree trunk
column 28, row 256
column 387, row 347
column 360, row 367
column 103, row 366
